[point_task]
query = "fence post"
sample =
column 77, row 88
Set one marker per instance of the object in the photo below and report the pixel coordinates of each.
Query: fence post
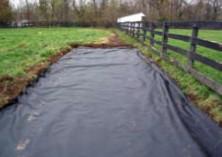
column 193, row 45
column 127, row 28
column 138, row 29
column 118, row 26
column 133, row 29
column 152, row 35
column 144, row 31
column 130, row 28
column 165, row 39
column 124, row 27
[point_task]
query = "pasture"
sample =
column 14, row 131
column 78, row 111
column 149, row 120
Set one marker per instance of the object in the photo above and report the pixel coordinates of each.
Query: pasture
column 25, row 47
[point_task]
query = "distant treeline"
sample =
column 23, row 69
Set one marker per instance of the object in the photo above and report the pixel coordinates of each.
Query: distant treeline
column 105, row 12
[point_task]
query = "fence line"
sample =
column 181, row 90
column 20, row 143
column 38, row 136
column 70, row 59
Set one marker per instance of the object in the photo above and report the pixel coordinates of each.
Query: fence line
column 41, row 24
column 140, row 30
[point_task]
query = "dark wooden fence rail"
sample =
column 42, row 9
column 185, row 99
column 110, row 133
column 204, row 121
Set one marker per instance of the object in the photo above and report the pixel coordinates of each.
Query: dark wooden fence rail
column 144, row 31
column 41, row 24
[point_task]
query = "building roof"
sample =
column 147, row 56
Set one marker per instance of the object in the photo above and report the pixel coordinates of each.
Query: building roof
column 132, row 18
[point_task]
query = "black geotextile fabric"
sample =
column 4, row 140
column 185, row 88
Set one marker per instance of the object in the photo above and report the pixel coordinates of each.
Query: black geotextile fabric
column 106, row 103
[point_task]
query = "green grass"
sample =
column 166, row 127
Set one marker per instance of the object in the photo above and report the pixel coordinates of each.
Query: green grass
column 22, row 48
column 206, row 99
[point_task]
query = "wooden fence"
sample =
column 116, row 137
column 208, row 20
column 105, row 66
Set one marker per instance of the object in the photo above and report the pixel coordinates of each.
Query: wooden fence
column 146, row 31
column 38, row 24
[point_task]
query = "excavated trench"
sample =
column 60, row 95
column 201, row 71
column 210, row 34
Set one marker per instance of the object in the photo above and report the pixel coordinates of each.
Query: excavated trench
column 106, row 102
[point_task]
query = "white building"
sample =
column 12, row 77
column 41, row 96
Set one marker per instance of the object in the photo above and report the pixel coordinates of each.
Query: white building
column 131, row 18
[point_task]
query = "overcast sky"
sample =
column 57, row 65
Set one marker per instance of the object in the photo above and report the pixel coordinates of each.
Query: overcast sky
column 16, row 3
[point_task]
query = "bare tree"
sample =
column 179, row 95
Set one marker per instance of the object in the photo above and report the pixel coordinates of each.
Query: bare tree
column 5, row 12
column 44, row 7
column 105, row 12
column 216, row 6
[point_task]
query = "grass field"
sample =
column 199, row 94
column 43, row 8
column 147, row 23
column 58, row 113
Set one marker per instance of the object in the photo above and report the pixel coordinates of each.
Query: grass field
column 206, row 99
column 22, row 48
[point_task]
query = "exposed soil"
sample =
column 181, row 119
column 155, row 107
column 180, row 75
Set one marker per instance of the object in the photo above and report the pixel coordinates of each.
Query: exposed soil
column 112, row 41
column 12, row 87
